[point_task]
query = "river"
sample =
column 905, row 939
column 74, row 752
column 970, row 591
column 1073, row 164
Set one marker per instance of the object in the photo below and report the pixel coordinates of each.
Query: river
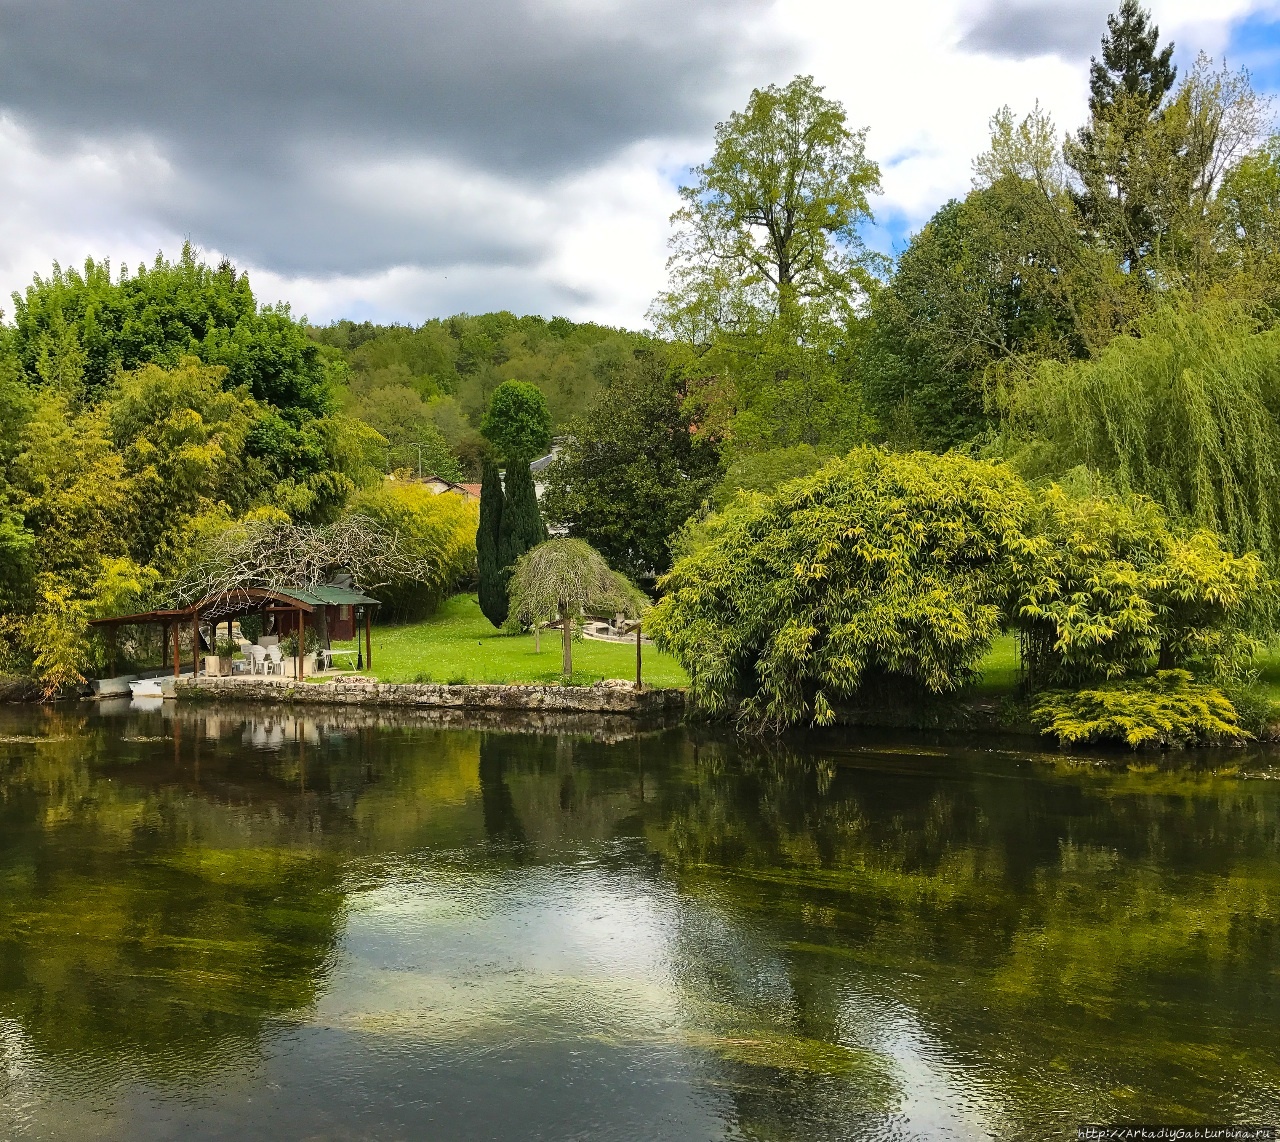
column 264, row 923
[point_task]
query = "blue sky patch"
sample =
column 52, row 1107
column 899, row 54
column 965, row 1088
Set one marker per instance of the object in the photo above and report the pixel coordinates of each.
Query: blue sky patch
column 1255, row 44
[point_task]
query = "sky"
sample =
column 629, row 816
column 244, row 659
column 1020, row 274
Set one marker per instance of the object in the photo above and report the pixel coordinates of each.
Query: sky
column 394, row 160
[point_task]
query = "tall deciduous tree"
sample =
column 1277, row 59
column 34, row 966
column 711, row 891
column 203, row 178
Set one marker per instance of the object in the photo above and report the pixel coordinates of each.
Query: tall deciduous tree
column 631, row 470
column 771, row 221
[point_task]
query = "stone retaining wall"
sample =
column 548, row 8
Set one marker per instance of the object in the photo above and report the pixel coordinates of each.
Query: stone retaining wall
column 602, row 698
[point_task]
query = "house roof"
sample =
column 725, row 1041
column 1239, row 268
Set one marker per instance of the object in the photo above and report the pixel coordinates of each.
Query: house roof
column 329, row 596
column 247, row 599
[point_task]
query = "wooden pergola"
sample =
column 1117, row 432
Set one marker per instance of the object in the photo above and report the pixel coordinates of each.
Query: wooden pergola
column 291, row 607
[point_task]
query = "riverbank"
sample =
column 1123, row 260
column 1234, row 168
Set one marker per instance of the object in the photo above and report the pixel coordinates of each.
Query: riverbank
column 606, row 698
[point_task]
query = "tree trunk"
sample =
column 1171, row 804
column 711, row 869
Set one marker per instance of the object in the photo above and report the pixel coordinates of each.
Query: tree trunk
column 566, row 630
column 537, row 638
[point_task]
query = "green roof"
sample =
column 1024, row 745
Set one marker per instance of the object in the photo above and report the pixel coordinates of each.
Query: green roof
column 329, row 596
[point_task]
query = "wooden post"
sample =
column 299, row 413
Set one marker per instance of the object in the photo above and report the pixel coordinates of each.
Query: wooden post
column 639, row 674
column 195, row 645
column 302, row 642
column 177, row 666
column 368, row 641
column 566, row 640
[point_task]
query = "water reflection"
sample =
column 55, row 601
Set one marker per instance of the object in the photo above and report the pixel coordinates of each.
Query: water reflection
column 292, row 923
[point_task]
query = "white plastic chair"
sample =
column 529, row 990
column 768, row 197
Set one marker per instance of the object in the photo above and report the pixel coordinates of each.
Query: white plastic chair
column 257, row 656
column 274, row 660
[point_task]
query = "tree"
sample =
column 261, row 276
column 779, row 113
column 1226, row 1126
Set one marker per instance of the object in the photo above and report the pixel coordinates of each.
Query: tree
column 181, row 435
column 493, row 592
column 404, row 420
column 768, row 272
column 400, row 540
column 565, row 577
column 435, row 533
column 1103, row 589
column 1126, row 91
column 1186, row 410
column 521, row 527
column 160, row 314
column 518, row 425
column 631, row 470
column 771, row 221
column 1132, row 62
column 517, row 422
column 902, row 567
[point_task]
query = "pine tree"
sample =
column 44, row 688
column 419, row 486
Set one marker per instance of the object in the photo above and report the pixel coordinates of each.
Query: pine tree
column 493, row 584
column 522, row 528
column 1127, row 88
column 1130, row 62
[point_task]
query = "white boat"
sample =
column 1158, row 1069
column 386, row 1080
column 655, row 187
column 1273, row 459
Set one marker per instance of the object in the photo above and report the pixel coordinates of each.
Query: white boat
column 146, row 688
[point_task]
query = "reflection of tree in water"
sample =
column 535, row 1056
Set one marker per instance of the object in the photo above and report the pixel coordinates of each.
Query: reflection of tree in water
column 1094, row 944
column 1084, row 943
column 139, row 921
column 501, row 822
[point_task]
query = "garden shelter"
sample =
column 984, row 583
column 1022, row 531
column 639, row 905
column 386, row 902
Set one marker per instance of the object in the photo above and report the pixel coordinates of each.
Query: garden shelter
column 337, row 611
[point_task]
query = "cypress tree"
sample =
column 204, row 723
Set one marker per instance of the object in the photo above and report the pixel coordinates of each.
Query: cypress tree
column 522, row 527
column 493, row 583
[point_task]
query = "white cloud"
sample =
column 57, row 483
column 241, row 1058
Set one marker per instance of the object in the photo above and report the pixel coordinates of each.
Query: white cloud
column 393, row 230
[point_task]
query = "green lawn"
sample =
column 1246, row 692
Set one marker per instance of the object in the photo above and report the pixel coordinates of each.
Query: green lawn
column 458, row 644
column 1268, row 666
column 1000, row 666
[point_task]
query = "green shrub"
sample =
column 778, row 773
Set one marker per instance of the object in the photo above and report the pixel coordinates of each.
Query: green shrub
column 880, row 564
column 438, row 531
column 1167, row 709
column 1104, row 589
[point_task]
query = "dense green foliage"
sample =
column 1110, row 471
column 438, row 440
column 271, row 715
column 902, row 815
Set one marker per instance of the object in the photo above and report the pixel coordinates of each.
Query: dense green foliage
column 436, row 531
column 1187, row 411
column 906, row 565
column 517, row 422
column 521, row 527
column 879, row 564
column 1105, row 589
column 141, row 415
column 492, row 583
column 1167, row 709
column 631, row 470
column 75, row 331
column 414, row 383
column 518, row 426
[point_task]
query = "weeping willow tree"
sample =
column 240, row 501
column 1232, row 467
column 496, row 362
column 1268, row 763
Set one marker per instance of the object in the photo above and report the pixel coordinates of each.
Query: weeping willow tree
column 564, row 577
column 1186, row 410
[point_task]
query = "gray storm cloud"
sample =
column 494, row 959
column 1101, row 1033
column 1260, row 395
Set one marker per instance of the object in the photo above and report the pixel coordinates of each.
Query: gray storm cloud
column 1021, row 29
column 264, row 110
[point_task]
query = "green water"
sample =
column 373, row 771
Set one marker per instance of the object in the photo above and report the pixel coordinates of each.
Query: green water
column 238, row 923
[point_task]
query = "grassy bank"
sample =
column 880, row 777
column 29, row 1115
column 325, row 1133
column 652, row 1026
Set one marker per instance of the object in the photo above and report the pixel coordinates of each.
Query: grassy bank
column 458, row 644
